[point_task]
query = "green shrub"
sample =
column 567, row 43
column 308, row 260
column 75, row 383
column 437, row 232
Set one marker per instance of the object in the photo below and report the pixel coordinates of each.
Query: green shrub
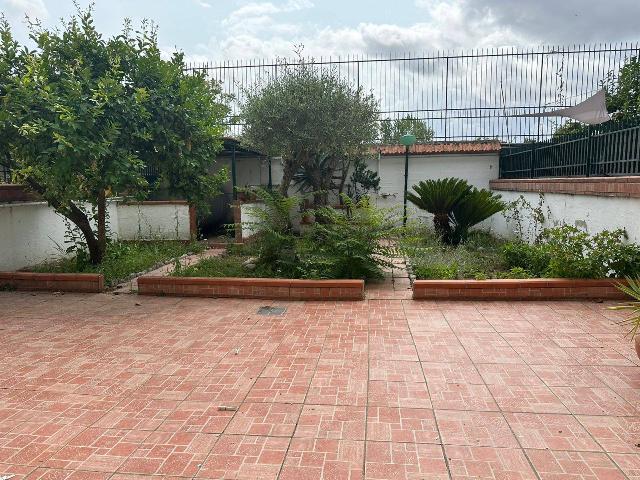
column 437, row 271
column 274, row 240
column 478, row 257
column 349, row 243
column 222, row 266
column 515, row 272
column 568, row 252
column 533, row 259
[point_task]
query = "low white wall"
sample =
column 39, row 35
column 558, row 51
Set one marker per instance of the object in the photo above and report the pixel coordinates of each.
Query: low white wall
column 152, row 221
column 592, row 213
column 32, row 232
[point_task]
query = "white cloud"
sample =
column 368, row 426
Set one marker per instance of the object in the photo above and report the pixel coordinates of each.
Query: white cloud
column 263, row 29
column 260, row 18
column 17, row 9
column 203, row 3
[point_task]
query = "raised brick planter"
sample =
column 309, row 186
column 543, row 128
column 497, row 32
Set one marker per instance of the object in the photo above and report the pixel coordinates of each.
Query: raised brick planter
column 528, row 289
column 52, row 282
column 252, row 288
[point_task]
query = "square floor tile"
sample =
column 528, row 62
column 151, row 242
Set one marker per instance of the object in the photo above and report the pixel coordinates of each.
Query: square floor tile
column 629, row 464
column 554, row 465
column 568, row 375
column 398, row 394
column 594, row 401
column 508, row 374
column 310, row 458
column 461, row 396
column 481, row 429
column 395, row 371
column 413, row 425
column 339, row 422
column 191, row 416
column 598, row 355
column 335, row 383
column 278, row 390
column 55, row 474
column 290, row 366
column 460, row 372
column 550, row 431
column 488, row 463
column 98, row 449
column 615, row 434
column 524, row 398
column 245, row 457
column 170, row 454
column 387, row 460
column 266, row 419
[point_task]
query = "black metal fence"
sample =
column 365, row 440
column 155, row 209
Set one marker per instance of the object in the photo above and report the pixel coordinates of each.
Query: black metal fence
column 5, row 174
column 461, row 95
column 611, row 149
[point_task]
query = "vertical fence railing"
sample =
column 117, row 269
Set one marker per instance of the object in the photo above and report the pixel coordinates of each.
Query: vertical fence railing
column 479, row 93
column 611, row 149
column 5, row 174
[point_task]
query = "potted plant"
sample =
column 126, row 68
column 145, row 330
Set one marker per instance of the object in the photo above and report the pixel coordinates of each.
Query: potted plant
column 633, row 321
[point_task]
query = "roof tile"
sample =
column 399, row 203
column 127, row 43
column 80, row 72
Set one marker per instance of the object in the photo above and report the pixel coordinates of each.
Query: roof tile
column 489, row 146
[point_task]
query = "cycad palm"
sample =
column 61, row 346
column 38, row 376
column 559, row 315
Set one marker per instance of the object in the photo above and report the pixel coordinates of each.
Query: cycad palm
column 456, row 206
column 439, row 197
column 476, row 206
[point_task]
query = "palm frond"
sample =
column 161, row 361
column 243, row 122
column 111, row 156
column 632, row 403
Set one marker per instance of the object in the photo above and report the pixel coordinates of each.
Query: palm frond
column 438, row 196
column 475, row 207
column 632, row 289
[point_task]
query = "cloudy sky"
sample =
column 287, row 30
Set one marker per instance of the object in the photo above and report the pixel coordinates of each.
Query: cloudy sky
column 240, row 29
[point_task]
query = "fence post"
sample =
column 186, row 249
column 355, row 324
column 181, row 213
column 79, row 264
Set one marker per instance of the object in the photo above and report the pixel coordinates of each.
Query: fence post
column 532, row 172
column 589, row 150
column 446, row 99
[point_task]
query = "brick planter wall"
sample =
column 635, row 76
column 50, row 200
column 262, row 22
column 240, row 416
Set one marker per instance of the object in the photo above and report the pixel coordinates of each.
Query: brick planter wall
column 596, row 186
column 252, row 288
column 528, row 289
column 52, row 282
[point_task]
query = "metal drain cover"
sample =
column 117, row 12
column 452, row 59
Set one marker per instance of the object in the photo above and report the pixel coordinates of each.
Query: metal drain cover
column 271, row 310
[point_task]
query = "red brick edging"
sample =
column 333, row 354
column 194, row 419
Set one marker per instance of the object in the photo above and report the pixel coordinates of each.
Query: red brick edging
column 512, row 289
column 596, row 186
column 267, row 288
column 53, row 282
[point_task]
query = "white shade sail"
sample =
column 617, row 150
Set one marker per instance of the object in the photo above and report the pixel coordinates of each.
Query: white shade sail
column 592, row 111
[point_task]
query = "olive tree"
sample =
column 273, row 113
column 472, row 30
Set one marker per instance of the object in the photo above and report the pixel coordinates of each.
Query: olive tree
column 623, row 91
column 312, row 118
column 83, row 115
column 391, row 131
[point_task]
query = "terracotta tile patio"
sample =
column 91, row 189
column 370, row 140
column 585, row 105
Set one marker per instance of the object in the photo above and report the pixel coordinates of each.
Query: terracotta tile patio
column 123, row 387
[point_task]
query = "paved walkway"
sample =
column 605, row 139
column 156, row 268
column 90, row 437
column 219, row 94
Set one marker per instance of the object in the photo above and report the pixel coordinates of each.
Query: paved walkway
column 104, row 386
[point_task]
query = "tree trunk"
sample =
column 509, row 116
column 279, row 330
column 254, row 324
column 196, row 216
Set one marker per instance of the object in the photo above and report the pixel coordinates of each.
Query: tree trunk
column 77, row 217
column 102, row 219
column 442, row 226
column 287, row 176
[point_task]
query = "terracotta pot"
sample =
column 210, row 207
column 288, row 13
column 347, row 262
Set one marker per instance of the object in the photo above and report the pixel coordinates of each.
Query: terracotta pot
column 638, row 345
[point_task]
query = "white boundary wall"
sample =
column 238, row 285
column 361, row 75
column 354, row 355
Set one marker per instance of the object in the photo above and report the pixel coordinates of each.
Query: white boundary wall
column 32, row 232
column 591, row 213
column 477, row 168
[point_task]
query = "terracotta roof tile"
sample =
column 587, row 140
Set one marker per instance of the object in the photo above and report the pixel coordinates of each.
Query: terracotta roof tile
column 489, row 146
